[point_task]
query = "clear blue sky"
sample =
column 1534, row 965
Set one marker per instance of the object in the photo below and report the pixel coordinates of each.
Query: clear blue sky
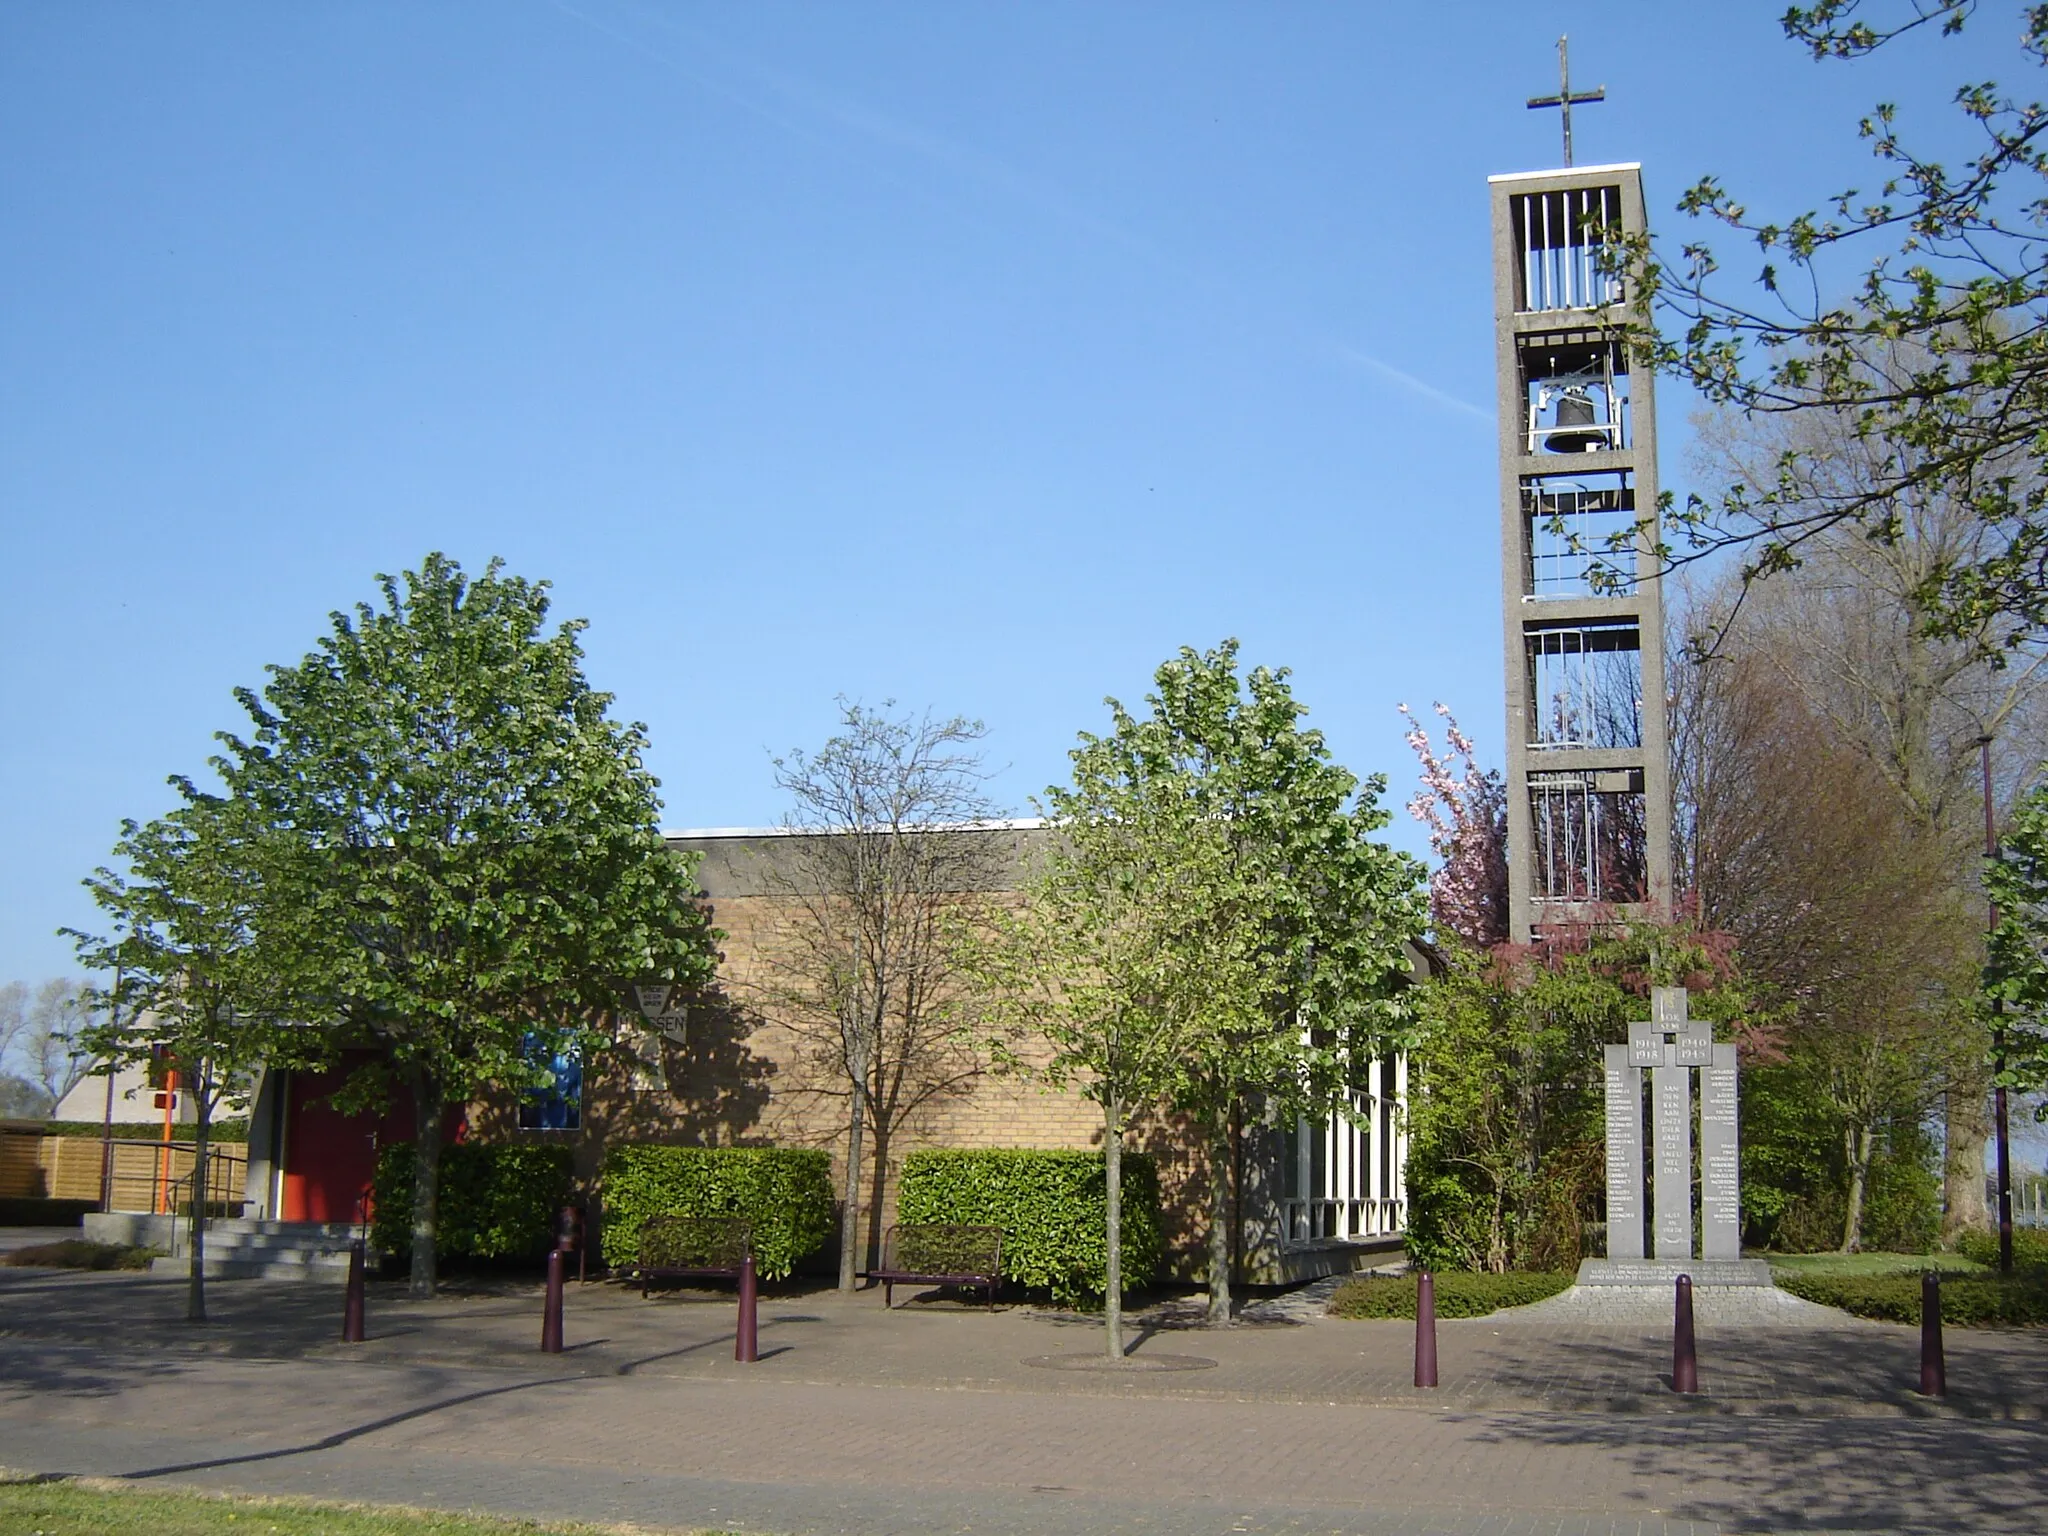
column 976, row 356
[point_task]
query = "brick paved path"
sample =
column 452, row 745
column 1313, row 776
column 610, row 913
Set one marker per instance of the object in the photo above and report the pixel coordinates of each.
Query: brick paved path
column 926, row 1420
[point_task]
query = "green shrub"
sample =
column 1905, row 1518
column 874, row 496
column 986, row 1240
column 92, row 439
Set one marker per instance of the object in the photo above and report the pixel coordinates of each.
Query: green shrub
column 497, row 1201
column 82, row 1253
column 1968, row 1301
column 1052, row 1209
column 235, row 1130
column 2029, row 1247
column 1459, row 1293
column 784, row 1193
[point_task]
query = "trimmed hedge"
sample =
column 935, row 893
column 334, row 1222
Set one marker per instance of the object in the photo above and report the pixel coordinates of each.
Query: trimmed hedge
column 236, row 1130
column 1052, row 1207
column 2029, row 1247
column 1967, row 1301
column 1459, row 1293
column 784, row 1193
column 497, row 1201
column 36, row 1211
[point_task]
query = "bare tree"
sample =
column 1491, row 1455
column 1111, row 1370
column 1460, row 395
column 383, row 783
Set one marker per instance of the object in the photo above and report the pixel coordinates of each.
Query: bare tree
column 890, row 835
column 13, row 1019
column 1855, row 631
column 1847, row 913
column 56, row 1061
column 19, row 1097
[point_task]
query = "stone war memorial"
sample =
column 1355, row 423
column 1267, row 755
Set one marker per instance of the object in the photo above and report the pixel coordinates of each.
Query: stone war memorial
column 1691, row 1078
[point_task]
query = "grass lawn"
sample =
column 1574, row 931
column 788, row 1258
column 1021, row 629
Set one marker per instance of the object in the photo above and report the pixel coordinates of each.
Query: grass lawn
column 1862, row 1264
column 93, row 1508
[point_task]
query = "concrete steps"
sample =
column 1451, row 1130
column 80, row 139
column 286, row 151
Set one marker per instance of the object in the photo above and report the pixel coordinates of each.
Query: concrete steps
column 244, row 1248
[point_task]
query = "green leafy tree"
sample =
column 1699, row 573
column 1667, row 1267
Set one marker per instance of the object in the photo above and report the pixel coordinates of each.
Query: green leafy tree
column 186, row 979
column 475, row 867
column 1326, row 910
column 2016, row 977
column 1121, row 965
column 1907, row 315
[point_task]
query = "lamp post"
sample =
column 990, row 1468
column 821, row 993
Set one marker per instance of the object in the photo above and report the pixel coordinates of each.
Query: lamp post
column 1999, row 1116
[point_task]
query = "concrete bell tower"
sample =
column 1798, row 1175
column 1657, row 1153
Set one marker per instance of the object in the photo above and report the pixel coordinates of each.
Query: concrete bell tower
column 1588, row 749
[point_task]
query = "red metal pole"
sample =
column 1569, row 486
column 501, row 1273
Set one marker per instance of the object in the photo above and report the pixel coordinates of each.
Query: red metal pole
column 551, row 1315
column 352, row 1308
column 1425, row 1329
column 1685, row 1361
column 746, row 1343
column 1933, row 1365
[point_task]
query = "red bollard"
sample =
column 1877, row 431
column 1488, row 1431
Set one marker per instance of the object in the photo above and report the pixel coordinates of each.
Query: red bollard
column 746, row 1340
column 551, row 1315
column 1425, row 1329
column 352, row 1305
column 569, row 1235
column 1933, row 1365
column 1685, row 1360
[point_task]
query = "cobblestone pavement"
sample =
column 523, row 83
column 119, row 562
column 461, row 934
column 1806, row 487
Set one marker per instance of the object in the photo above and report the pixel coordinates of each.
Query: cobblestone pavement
column 927, row 1420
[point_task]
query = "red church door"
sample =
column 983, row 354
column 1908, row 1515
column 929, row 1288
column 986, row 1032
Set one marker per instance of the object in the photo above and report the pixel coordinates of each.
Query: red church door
column 330, row 1158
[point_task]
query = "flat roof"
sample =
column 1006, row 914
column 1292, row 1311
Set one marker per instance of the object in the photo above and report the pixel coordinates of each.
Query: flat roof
column 1016, row 824
column 1566, row 170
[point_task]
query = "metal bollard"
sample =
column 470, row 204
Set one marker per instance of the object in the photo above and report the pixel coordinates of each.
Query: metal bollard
column 352, row 1304
column 1685, row 1360
column 1933, row 1365
column 551, row 1315
column 746, row 1341
column 1425, row 1329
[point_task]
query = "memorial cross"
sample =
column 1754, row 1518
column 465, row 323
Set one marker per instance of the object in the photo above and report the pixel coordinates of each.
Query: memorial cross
column 1564, row 99
column 1672, row 1045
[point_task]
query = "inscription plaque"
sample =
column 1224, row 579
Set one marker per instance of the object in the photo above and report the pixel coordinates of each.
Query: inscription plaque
column 1720, row 1159
column 1624, row 1084
column 1695, row 1043
column 1645, row 1046
column 1671, row 1169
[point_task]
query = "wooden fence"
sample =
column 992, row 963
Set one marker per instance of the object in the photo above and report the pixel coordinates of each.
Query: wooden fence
column 70, row 1168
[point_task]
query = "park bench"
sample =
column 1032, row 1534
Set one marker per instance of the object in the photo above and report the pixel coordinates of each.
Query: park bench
column 939, row 1253
column 692, row 1248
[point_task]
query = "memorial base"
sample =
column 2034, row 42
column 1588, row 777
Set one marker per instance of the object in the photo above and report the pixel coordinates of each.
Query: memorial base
column 1665, row 1272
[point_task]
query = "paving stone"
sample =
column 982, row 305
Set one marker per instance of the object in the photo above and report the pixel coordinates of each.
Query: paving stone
column 926, row 1419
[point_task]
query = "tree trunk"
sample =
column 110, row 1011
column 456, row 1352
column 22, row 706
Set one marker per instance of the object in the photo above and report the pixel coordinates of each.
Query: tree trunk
column 1962, row 1163
column 1113, row 1207
column 202, row 1103
column 849, row 1217
column 1219, row 1224
column 1858, row 1144
column 426, row 1183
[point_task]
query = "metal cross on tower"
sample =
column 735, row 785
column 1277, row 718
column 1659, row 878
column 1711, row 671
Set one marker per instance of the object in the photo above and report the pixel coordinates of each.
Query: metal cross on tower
column 1564, row 97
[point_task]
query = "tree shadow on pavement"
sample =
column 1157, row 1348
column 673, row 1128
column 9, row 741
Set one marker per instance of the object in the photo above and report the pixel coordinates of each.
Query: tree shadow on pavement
column 43, row 1371
column 1785, row 1474
column 344, row 1436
